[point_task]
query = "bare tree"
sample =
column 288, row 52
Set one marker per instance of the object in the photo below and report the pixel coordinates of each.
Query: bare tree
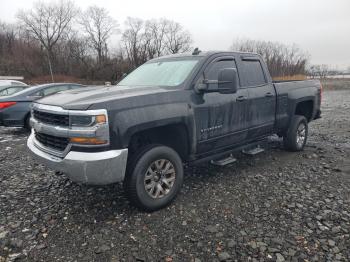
column 47, row 38
column 99, row 26
column 178, row 40
column 9, row 33
column 155, row 33
column 48, row 23
column 134, row 42
column 143, row 40
column 319, row 71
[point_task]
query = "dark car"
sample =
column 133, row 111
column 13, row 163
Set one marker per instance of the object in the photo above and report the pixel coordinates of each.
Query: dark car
column 11, row 89
column 14, row 109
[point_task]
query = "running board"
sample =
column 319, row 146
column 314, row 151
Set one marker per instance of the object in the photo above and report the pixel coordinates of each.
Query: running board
column 224, row 161
column 253, row 151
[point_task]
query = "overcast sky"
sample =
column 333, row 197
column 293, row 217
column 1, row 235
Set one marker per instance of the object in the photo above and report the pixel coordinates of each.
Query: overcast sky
column 320, row 27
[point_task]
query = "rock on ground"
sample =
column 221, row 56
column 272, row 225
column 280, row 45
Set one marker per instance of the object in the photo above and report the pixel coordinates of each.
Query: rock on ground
column 277, row 205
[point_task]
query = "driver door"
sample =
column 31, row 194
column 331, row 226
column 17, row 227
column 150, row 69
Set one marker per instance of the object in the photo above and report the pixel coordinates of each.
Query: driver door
column 220, row 119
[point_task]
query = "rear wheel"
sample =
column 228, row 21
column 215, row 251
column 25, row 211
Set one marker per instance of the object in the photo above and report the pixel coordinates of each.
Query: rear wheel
column 154, row 177
column 296, row 136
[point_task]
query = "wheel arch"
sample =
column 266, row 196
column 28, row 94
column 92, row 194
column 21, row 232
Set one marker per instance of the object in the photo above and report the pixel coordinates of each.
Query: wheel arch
column 171, row 134
column 305, row 108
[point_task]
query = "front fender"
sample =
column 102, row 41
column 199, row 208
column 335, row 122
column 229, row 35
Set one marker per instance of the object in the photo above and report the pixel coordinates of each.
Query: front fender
column 128, row 122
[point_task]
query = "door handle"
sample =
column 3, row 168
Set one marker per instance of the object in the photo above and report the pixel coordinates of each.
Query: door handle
column 241, row 98
column 268, row 94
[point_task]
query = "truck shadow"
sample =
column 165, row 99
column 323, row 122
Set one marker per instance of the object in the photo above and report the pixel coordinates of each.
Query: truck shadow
column 101, row 203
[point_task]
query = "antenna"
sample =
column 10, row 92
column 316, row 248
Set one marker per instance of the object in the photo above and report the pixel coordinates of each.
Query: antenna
column 196, row 51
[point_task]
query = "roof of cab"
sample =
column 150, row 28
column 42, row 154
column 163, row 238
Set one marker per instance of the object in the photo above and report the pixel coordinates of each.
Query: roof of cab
column 202, row 54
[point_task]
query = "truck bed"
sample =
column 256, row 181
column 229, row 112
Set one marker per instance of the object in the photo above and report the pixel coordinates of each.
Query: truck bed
column 290, row 93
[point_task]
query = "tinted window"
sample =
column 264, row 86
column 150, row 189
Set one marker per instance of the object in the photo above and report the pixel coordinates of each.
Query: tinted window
column 212, row 72
column 39, row 93
column 252, row 73
column 13, row 90
column 54, row 89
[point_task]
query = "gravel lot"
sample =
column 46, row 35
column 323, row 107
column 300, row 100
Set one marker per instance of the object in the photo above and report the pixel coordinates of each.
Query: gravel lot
column 276, row 206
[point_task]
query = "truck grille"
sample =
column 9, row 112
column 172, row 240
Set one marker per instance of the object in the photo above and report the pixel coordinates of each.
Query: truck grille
column 54, row 142
column 51, row 119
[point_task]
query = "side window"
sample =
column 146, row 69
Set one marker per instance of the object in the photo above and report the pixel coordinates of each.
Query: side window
column 14, row 90
column 4, row 92
column 213, row 69
column 252, row 73
column 54, row 89
column 39, row 93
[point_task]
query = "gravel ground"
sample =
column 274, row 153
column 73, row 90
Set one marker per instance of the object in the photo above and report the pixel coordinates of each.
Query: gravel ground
column 276, row 206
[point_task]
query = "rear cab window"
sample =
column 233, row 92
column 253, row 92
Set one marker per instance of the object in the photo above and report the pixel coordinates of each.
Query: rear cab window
column 252, row 73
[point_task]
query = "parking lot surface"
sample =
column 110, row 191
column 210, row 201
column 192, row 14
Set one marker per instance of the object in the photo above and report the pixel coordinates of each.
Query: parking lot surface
column 275, row 206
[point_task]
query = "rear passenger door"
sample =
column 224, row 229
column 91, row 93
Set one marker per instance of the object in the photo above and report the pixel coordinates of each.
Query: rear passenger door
column 262, row 97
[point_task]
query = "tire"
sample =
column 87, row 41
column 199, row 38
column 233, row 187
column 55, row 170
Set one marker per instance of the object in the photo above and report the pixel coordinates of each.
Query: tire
column 27, row 125
column 153, row 168
column 296, row 136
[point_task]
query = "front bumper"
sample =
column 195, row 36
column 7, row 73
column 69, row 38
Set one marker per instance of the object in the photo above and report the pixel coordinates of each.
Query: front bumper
column 98, row 168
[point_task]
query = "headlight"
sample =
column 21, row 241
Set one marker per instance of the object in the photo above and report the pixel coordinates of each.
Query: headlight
column 82, row 120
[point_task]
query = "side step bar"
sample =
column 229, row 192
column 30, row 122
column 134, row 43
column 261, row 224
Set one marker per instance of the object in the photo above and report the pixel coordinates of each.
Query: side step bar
column 253, row 151
column 224, row 161
column 250, row 149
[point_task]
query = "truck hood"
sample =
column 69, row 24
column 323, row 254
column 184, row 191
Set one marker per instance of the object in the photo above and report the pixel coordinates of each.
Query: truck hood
column 83, row 98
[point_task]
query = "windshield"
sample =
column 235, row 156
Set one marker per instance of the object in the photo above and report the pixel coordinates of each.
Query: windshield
column 163, row 73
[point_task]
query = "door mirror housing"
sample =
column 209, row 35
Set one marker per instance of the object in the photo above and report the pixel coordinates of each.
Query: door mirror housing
column 228, row 81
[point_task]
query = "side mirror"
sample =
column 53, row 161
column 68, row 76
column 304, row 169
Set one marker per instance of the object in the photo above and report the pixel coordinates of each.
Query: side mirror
column 228, row 81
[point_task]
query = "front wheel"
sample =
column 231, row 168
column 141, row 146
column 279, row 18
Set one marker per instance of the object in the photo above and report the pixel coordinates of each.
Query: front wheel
column 154, row 177
column 296, row 136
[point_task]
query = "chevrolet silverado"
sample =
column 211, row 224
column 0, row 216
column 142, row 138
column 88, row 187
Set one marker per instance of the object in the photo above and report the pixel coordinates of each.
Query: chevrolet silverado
column 175, row 109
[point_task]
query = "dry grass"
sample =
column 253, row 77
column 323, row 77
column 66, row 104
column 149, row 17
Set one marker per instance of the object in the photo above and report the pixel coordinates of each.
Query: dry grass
column 327, row 83
column 286, row 78
column 336, row 83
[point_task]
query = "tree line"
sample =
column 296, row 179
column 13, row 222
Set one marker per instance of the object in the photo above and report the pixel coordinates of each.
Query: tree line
column 57, row 38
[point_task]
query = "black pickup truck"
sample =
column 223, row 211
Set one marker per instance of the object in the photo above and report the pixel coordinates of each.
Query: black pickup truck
column 171, row 110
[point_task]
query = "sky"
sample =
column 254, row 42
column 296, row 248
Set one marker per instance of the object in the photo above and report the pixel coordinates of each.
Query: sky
column 320, row 27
